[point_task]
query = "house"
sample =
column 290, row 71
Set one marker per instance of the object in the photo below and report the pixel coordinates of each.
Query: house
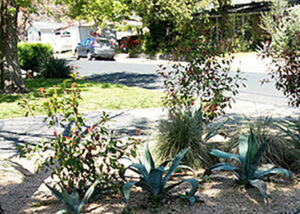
column 244, row 18
column 68, row 37
column 44, row 32
column 61, row 36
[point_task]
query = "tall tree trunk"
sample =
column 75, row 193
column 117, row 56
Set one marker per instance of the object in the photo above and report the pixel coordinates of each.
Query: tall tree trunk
column 11, row 79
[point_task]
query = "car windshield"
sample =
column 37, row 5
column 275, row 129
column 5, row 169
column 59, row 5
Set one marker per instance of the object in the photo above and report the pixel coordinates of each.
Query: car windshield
column 103, row 42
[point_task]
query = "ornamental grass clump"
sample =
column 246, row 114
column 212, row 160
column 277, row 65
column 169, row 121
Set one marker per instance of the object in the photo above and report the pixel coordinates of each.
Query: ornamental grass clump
column 53, row 67
column 248, row 172
column 291, row 129
column 83, row 153
column 186, row 129
column 154, row 179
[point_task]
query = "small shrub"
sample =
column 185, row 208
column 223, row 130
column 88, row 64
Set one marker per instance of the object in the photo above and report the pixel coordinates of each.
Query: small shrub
column 248, row 173
column 154, row 179
column 32, row 55
column 135, row 50
column 186, row 129
column 85, row 153
column 55, row 68
column 205, row 77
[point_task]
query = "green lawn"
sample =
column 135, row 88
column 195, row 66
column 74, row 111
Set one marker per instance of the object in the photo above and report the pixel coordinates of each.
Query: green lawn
column 95, row 95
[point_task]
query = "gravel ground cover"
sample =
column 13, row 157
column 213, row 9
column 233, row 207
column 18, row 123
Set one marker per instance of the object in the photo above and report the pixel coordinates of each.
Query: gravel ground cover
column 23, row 191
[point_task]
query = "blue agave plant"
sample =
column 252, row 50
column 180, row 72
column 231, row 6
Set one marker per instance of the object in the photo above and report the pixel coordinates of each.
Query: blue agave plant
column 72, row 202
column 154, row 179
column 249, row 158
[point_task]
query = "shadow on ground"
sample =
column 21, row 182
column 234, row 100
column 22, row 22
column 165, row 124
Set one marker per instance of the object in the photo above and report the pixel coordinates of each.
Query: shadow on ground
column 15, row 196
column 147, row 81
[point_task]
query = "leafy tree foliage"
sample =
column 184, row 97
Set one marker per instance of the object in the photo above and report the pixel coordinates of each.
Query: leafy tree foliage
column 102, row 12
column 283, row 24
column 165, row 20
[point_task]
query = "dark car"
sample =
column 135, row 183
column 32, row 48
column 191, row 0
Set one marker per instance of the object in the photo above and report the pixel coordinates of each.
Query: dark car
column 128, row 42
column 96, row 47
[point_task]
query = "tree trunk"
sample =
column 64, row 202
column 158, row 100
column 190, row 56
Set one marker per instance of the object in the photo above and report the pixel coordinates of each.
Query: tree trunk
column 11, row 79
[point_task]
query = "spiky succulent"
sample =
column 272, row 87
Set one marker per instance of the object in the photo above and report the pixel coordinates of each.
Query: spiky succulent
column 154, row 179
column 72, row 202
column 249, row 158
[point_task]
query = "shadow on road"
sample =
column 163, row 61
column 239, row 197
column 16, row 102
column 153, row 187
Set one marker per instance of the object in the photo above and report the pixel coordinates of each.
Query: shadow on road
column 147, row 81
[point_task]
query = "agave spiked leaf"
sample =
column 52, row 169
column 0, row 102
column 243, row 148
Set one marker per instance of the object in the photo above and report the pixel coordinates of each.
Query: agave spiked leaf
column 292, row 129
column 174, row 165
column 214, row 130
column 227, row 155
column 249, row 159
column 152, row 178
column 72, row 201
column 148, row 160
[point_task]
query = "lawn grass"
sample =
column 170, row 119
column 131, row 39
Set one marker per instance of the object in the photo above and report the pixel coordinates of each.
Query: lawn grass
column 95, row 95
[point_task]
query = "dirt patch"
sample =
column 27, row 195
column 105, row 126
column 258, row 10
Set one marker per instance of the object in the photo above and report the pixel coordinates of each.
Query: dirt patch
column 23, row 191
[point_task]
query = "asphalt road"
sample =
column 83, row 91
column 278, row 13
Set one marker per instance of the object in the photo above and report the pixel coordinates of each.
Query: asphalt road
column 142, row 73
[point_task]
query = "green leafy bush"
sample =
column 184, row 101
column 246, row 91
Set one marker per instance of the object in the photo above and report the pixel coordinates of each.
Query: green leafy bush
column 135, row 50
column 32, row 56
column 186, row 129
column 283, row 24
column 250, row 155
column 53, row 67
column 72, row 201
column 154, row 179
column 85, row 153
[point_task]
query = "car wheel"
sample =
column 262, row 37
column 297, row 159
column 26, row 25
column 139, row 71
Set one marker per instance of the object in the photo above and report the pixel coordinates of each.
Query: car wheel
column 111, row 58
column 77, row 57
column 89, row 56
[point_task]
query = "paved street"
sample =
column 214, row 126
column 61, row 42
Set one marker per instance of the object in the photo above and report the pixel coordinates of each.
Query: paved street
column 141, row 73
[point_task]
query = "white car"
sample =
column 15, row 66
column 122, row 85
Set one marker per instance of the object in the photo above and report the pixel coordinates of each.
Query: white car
column 96, row 47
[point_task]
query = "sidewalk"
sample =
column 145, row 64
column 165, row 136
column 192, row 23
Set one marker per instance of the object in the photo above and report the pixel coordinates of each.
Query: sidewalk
column 15, row 132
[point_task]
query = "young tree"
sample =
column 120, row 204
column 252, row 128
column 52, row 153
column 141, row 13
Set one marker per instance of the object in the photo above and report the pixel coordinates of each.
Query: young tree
column 283, row 25
column 11, row 79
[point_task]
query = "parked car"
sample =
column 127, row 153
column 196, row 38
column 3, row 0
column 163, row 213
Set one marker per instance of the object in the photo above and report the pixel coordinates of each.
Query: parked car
column 127, row 42
column 96, row 47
